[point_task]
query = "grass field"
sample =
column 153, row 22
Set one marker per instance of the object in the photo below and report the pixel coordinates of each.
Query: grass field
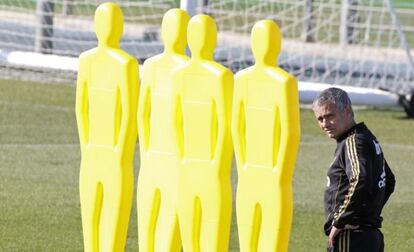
column 39, row 170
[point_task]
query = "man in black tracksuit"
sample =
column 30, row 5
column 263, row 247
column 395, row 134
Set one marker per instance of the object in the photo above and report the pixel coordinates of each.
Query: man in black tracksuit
column 359, row 181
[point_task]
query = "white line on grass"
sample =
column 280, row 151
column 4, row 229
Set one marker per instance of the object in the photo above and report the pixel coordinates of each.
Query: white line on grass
column 40, row 106
column 390, row 145
column 52, row 145
column 36, row 146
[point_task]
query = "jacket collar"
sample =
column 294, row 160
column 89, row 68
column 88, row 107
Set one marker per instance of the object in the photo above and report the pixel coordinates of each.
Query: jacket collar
column 360, row 125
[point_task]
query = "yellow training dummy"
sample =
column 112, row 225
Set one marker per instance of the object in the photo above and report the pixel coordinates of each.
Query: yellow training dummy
column 106, row 107
column 265, row 130
column 158, row 228
column 201, row 102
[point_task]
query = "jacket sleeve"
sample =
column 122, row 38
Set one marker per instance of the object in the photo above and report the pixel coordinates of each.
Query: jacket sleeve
column 358, row 166
column 390, row 182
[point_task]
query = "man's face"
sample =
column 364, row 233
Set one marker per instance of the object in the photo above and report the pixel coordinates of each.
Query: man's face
column 333, row 121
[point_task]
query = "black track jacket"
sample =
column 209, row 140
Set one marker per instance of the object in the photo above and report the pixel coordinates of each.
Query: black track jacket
column 359, row 181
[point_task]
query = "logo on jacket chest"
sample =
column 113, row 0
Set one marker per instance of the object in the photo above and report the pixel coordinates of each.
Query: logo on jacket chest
column 383, row 179
column 377, row 147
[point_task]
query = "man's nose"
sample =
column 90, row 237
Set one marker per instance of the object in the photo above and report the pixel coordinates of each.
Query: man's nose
column 325, row 123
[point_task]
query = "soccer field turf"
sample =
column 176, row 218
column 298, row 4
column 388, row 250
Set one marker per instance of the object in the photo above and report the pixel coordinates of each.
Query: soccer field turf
column 39, row 172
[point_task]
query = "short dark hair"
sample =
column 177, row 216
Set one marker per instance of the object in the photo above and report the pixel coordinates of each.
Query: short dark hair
column 336, row 96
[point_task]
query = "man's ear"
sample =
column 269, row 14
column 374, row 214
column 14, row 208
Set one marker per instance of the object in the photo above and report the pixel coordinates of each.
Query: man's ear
column 348, row 111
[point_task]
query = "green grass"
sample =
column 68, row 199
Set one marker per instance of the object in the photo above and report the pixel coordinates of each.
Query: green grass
column 39, row 172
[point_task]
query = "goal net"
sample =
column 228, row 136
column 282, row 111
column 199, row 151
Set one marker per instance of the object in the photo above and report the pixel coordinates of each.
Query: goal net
column 358, row 43
column 65, row 28
column 362, row 43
